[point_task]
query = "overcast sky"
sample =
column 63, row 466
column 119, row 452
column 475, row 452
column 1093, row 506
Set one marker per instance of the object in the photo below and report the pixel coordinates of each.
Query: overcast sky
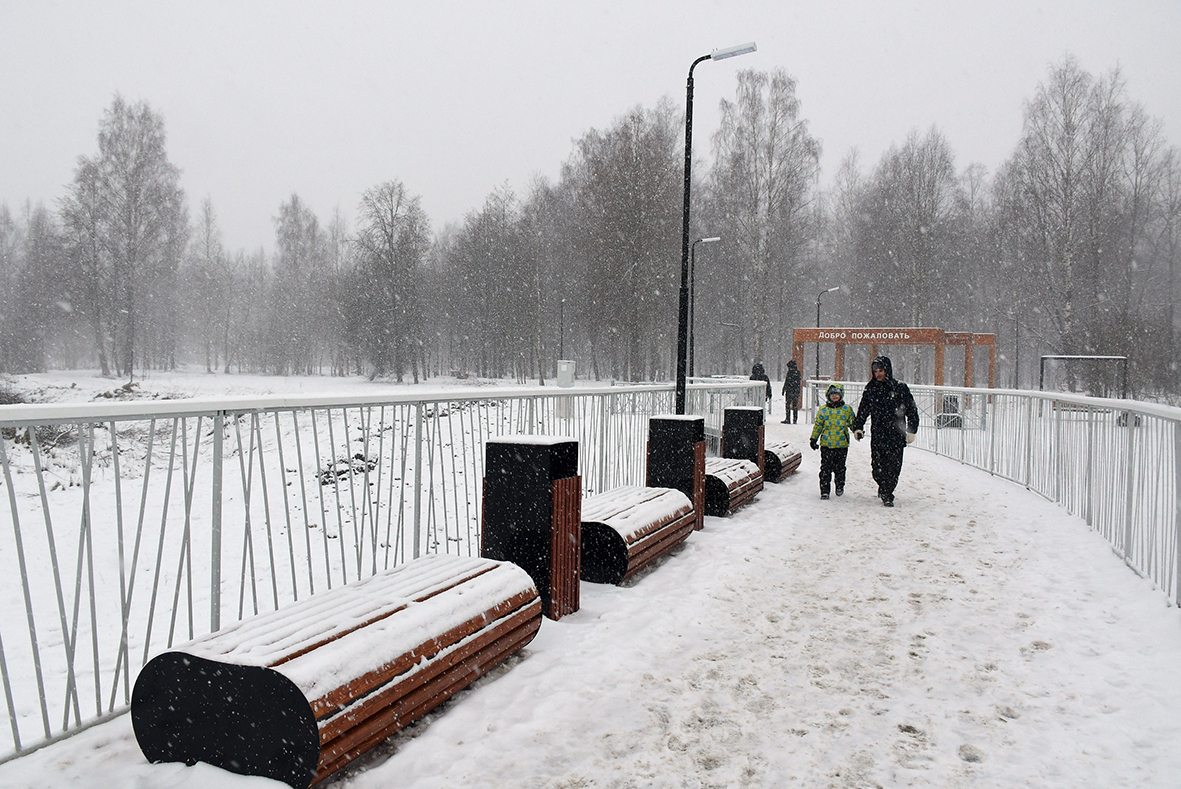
column 454, row 98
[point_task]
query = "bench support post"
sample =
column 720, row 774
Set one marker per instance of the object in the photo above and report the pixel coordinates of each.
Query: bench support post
column 533, row 514
column 742, row 435
column 676, row 458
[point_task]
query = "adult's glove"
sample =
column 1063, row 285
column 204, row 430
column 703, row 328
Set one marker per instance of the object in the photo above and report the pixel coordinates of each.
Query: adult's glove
column 813, row 443
column 858, row 434
column 910, row 438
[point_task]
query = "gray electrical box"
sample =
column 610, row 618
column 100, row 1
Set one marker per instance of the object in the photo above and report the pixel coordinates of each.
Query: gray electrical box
column 565, row 372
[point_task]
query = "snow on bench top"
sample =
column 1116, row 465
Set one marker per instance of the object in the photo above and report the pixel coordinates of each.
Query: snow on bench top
column 731, row 471
column 264, row 639
column 781, row 448
column 541, row 440
column 630, row 509
column 679, row 417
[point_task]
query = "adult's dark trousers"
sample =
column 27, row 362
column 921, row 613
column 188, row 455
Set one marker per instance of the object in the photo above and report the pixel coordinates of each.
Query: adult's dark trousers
column 832, row 466
column 886, row 461
column 793, row 411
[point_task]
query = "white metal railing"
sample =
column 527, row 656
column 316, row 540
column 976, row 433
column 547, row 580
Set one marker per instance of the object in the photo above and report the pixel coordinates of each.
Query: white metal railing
column 1114, row 463
column 133, row 526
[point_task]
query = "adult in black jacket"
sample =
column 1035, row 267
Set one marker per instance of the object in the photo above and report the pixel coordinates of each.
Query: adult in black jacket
column 890, row 405
column 759, row 373
column 791, row 393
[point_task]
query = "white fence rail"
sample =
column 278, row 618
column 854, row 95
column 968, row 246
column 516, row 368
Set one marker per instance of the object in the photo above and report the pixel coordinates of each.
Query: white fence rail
column 1114, row 463
column 136, row 525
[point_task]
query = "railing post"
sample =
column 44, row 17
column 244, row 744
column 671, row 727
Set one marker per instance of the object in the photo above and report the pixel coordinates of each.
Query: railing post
column 994, row 403
column 1056, row 454
column 935, row 428
column 1089, row 497
column 964, row 426
column 215, row 527
column 604, row 435
column 1130, row 497
column 1029, row 444
column 418, row 416
column 1177, row 513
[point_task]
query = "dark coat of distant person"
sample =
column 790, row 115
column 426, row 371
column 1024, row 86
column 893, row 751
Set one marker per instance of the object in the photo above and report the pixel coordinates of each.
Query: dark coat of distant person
column 759, row 373
column 791, row 381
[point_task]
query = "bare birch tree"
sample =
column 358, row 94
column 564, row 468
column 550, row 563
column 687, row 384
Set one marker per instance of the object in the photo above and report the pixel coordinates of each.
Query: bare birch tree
column 760, row 199
column 126, row 220
column 392, row 241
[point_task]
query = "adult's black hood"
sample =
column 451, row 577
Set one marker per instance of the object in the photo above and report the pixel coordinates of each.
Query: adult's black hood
column 884, row 363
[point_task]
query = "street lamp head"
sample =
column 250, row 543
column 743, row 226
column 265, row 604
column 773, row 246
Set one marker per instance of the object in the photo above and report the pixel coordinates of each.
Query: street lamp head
column 830, row 290
column 708, row 240
column 731, row 52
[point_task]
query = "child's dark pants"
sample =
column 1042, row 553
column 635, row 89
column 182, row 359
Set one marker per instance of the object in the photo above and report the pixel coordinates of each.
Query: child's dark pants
column 832, row 464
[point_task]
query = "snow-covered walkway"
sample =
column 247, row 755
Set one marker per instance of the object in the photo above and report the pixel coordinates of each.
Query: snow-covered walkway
column 974, row 636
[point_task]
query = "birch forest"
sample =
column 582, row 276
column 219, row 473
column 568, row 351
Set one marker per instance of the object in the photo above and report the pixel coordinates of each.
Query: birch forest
column 1072, row 246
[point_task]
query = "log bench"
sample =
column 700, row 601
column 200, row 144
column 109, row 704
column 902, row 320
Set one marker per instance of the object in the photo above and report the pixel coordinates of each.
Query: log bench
column 626, row 528
column 297, row 693
column 780, row 460
column 729, row 484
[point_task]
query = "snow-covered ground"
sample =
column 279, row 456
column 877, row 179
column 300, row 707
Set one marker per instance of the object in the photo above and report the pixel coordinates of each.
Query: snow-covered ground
column 975, row 635
column 87, row 386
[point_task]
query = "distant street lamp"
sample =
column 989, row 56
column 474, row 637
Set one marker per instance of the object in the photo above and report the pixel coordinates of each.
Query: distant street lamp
column 683, row 312
column 818, row 295
column 693, row 294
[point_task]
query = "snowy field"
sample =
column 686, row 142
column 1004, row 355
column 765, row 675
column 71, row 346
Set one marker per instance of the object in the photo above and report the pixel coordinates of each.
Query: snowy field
column 975, row 635
column 66, row 386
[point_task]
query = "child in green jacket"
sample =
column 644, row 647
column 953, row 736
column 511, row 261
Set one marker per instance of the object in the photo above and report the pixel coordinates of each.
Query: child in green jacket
column 831, row 435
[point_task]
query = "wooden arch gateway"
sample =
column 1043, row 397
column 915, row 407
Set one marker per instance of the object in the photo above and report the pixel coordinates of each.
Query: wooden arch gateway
column 938, row 338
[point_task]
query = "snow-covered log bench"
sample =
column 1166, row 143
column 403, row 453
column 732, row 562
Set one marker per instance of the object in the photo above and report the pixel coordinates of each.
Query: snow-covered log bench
column 780, row 459
column 297, row 693
column 626, row 528
column 730, row 483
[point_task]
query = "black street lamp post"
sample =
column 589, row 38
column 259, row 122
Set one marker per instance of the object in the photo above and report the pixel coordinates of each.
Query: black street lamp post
column 683, row 312
column 818, row 295
column 693, row 295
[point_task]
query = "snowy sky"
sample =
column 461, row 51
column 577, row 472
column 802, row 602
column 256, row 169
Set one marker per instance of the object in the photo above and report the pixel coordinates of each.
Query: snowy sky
column 263, row 99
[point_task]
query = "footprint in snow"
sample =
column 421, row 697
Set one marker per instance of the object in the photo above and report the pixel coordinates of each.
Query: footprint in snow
column 970, row 753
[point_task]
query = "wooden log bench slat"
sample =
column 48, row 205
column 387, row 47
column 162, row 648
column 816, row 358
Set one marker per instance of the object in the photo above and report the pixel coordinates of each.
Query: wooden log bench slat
column 407, row 701
column 625, row 529
column 729, row 484
column 297, row 693
column 781, row 459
